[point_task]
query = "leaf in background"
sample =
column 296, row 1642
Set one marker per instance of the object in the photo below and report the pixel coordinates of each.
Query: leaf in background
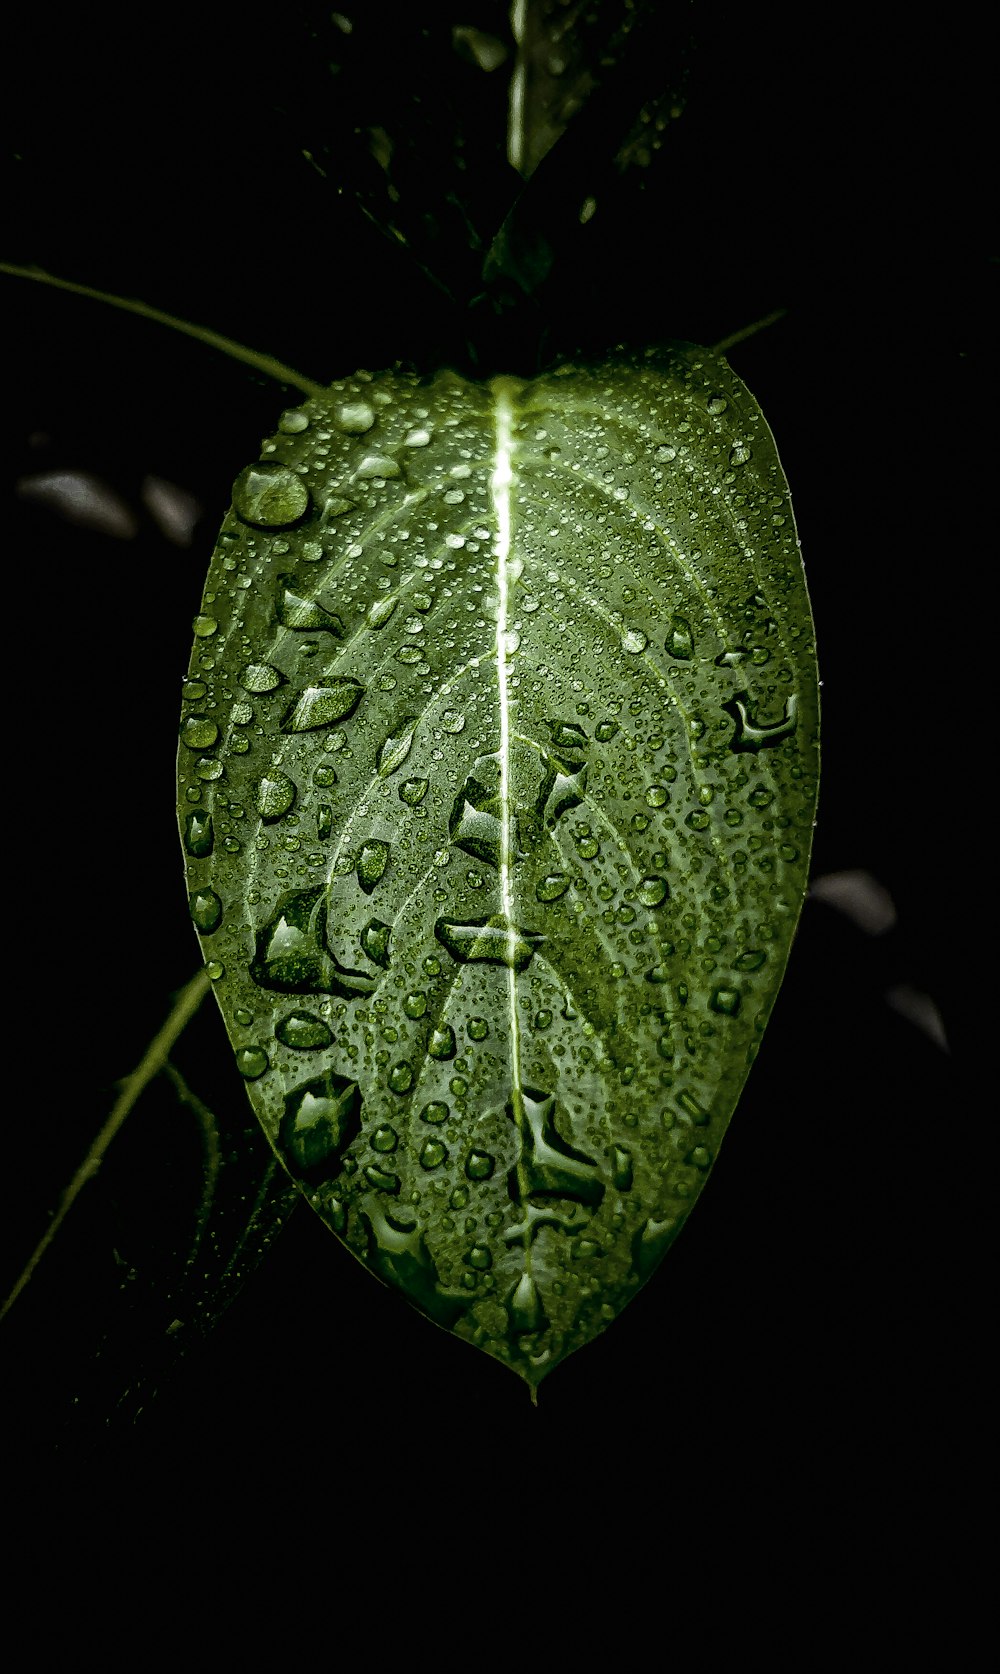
column 605, row 81
column 498, row 768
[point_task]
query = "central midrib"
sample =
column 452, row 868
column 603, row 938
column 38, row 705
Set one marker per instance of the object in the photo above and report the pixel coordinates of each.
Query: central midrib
column 504, row 391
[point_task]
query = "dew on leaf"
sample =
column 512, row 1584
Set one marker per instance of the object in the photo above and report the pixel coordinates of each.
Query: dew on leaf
column 270, row 496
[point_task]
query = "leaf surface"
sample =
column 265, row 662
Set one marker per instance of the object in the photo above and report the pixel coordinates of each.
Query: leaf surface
column 498, row 770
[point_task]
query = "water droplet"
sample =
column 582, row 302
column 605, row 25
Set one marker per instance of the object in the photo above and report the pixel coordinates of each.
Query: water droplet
column 324, row 821
column 653, row 891
column 740, row 454
column 701, row 1156
column 302, row 614
column 198, row 835
column 206, row 910
column 385, row 1139
column 372, row 862
column 488, row 941
column 380, row 612
column 634, row 641
column 293, row 422
column 717, row 404
column 199, row 732
column 435, row 1112
column 416, row 438
column 319, row 706
column 543, row 1018
column 415, row 1004
column 270, row 496
column 354, row 416
column 413, row 791
column 751, row 960
column 432, row 1153
column 393, row 751
column 689, row 1104
column 697, row 820
column 605, row 731
column 378, row 465
column 478, row 1028
column 525, row 1305
column 726, row 1001
column 552, row 887
column 401, row 1076
column 479, row 1165
column 479, row 1257
column 205, row 626
column 275, row 796
column 442, row 1043
column 680, row 640
column 622, row 1173
column 260, row 678
column 252, row 1061
column 374, row 941
column 303, row 1031
column 382, row 1180
column 291, row 955
column 756, row 735
column 193, row 689
column 214, row 970
column 321, row 1119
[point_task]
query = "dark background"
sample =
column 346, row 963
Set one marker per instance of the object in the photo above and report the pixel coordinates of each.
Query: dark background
column 800, row 1360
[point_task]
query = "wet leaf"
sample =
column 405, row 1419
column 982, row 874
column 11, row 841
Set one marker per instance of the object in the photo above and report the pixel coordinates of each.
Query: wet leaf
column 495, row 1009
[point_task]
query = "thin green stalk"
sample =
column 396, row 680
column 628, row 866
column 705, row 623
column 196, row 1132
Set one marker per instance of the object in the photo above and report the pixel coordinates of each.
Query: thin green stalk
column 237, row 351
column 154, row 1059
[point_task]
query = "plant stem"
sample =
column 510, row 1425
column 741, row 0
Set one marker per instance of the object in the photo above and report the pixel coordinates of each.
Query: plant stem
column 153, row 1061
column 237, row 351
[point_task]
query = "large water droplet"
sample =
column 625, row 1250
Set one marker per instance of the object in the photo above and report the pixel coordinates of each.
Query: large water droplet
column 413, row 791
column 372, row 862
column 199, row 732
column 393, row 751
column 680, row 640
column 206, row 910
column 270, row 496
column 552, row 887
column 199, row 835
column 251, row 1061
column 374, row 941
column 293, row 422
column 525, row 1305
column 320, row 705
column 442, row 1043
column 302, row 614
column 354, row 416
column 303, row 1031
column 275, row 796
column 479, row 1165
column 653, row 891
column 488, row 941
column 321, row 1118
column 260, row 678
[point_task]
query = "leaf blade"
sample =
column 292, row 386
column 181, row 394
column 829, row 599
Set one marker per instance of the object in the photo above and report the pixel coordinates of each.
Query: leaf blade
column 576, row 609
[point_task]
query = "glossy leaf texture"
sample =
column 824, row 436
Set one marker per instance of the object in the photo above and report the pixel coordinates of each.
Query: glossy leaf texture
column 498, row 771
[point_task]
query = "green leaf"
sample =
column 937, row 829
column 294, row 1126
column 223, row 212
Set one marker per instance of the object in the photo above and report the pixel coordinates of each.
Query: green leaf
column 498, row 832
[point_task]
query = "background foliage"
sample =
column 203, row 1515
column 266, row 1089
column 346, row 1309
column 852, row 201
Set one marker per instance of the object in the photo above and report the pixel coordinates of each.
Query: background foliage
column 822, row 166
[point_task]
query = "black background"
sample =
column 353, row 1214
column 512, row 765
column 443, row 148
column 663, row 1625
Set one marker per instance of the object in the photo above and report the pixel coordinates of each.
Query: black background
column 799, row 1363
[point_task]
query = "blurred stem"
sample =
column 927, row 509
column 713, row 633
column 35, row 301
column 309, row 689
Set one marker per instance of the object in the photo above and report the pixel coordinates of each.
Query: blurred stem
column 213, row 339
column 154, row 1059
